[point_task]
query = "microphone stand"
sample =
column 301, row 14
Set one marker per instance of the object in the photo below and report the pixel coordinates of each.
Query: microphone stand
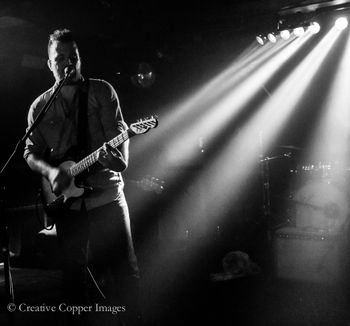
column 3, row 221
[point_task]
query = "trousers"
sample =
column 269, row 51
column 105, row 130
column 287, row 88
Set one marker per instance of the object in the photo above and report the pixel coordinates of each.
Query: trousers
column 98, row 257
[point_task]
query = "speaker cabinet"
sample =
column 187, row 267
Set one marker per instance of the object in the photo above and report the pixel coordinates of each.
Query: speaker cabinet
column 310, row 255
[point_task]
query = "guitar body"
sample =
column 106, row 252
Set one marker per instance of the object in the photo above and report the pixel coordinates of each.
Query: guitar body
column 67, row 196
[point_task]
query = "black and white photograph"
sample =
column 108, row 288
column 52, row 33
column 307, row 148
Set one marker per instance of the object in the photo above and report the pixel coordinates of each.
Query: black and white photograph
column 175, row 163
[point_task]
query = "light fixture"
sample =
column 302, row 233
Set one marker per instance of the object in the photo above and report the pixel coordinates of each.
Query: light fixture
column 299, row 31
column 285, row 34
column 261, row 39
column 272, row 37
column 314, row 28
column 341, row 23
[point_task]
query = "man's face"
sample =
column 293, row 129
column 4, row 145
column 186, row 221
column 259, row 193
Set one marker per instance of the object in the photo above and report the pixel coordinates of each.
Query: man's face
column 62, row 54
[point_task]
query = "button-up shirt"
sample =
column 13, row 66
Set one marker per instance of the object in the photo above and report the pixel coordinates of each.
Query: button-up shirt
column 56, row 134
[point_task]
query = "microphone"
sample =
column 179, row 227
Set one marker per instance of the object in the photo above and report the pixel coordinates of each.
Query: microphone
column 69, row 70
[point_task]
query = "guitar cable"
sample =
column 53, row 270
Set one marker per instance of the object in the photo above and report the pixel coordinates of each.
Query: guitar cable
column 39, row 199
column 95, row 282
column 92, row 277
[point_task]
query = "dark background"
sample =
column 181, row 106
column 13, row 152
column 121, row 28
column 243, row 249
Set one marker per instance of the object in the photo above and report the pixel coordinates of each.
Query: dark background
column 186, row 44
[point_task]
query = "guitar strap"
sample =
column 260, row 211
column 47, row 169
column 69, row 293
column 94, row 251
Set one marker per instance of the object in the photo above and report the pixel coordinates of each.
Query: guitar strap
column 82, row 123
column 82, row 132
column 79, row 152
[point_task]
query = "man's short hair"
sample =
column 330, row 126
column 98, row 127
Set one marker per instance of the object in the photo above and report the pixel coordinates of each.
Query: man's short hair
column 60, row 35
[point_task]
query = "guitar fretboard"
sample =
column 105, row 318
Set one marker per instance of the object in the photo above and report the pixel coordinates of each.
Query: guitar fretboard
column 89, row 160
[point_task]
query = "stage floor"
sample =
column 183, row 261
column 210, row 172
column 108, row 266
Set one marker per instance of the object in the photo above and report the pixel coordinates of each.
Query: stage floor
column 178, row 290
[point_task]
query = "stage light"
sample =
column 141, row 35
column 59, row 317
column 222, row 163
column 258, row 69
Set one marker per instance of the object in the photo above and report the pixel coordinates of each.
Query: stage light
column 341, row 23
column 285, row 34
column 299, row 31
column 314, row 28
column 272, row 37
column 261, row 39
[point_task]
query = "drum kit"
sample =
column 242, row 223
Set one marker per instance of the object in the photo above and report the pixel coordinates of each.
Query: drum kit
column 311, row 196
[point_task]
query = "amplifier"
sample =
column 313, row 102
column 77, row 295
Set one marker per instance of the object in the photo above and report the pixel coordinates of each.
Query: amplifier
column 309, row 255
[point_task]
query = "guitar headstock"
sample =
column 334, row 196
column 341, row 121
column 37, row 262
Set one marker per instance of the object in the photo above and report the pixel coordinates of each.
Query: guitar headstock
column 144, row 125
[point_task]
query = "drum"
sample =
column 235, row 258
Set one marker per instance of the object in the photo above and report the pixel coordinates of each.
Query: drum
column 316, row 171
column 321, row 205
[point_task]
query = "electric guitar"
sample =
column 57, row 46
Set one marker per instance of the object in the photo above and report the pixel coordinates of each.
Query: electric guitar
column 74, row 169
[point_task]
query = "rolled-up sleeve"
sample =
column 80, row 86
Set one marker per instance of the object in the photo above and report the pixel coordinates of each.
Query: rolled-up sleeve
column 111, row 115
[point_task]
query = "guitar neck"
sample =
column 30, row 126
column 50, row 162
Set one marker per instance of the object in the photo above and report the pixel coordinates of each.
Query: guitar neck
column 89, row 160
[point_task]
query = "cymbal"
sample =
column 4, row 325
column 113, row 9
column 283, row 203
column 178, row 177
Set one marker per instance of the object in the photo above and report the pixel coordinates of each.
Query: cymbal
column 291, row 147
